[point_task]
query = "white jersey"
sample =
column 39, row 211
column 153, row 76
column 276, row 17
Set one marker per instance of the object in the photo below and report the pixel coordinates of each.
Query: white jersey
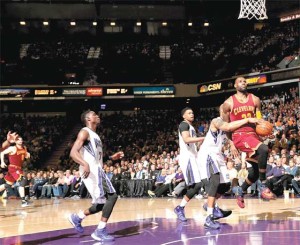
column 187, row 157
column 188, row 149
column 97, row 182
column 210, row 154
column 92, row 150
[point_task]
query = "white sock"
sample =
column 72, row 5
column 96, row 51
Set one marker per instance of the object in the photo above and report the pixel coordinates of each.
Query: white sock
column 183, row 203
column 81, row 215
column 209, row 211
column 101, row 225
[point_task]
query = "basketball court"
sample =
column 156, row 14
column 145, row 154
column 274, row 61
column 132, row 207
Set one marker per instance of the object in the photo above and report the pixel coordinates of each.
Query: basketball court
column 152, row 221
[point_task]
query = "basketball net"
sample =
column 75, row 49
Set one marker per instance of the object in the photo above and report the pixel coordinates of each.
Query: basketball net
column 253, row 9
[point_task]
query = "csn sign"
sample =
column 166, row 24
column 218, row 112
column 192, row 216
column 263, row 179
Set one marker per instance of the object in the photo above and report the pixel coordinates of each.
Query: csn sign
column 209, row 88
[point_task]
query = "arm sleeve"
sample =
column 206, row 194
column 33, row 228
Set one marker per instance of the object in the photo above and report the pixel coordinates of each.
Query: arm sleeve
column 184, row 126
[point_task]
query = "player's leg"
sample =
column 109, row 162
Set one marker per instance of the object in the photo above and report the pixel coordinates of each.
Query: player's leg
column 252, row 177
column 261, row 155
column 101, row 234
column 21, row 189
column 214, row 182
column 76, row 218
column 191, row 192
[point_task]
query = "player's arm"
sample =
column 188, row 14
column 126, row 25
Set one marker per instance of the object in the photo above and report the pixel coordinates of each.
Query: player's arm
column 117, row 155
column 5, row 152
column 226, row 108
column 257, row 103
column 185, row 134
column 218, row 123
column 225, row 114
column 10, row 138
column 82, row 136
column 188, row 139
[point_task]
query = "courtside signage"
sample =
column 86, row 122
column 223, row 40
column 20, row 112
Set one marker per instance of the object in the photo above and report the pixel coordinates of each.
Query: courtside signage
column 94, row 91
column 157, row 90
column 256, row 80
column 114, row 91
column 209, row 88
column 17, row 93
column 74, row 92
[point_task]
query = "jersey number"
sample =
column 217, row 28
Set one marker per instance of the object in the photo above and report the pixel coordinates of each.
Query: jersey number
column 248, row 115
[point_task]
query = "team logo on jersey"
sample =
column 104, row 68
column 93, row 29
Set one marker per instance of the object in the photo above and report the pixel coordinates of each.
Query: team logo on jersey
column 246, row 145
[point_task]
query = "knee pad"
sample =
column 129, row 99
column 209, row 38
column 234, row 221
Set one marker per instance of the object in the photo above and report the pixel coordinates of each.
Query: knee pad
column 262, row 156
column 22, row 181
column 96, row 208
column 224, row 187
column 214, row 183
column 253, row 173
column 194, row 190
column 109, row 205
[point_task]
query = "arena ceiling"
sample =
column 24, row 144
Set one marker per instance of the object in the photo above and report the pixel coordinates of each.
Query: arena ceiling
column 177, row 9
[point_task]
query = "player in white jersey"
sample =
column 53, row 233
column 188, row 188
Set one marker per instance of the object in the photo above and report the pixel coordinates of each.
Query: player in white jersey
column 212, row 164
column 187, row 159
column 87, row 151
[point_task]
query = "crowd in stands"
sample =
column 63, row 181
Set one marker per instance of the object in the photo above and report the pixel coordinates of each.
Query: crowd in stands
column 151, row 150
column 190, row 58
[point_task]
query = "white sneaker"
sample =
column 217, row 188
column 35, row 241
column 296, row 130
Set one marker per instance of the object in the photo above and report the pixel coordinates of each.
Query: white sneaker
column 24, row 204
column 199, row 196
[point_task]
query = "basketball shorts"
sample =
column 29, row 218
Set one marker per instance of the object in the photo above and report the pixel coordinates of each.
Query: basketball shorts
column 246, row 142
column 14, row 174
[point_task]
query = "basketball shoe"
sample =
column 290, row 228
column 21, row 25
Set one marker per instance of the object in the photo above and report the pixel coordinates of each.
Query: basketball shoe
column 238, row 191
column 210, row 223
column 76, row 222
column 179, row 211
column 102, row 235
column 24, row 204
column 265, row 192
column 218, row 213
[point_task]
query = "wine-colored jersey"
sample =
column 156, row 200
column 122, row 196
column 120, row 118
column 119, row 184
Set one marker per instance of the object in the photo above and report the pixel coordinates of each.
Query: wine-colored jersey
column 241, row 111
column 17, row 159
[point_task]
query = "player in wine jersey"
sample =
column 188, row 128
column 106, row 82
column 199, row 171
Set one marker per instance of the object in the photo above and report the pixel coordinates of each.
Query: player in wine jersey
column 88, row 153
column 16, row 156
column 245, row 105
column 213, row 167
column 187, row 159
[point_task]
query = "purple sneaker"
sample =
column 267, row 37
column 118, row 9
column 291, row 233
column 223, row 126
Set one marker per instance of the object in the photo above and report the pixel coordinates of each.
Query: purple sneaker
column 210, row 223
column 76, row 222
column 218, row 213
column 102, row 235
column 179, row 211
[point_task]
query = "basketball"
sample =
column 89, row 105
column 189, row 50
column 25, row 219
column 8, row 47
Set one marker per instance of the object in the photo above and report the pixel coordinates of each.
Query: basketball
column 264, row 129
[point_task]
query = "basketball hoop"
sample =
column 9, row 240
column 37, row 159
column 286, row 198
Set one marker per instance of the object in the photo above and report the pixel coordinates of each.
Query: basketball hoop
column 253, row 9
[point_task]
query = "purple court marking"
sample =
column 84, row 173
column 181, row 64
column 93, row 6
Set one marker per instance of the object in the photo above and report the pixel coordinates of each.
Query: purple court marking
column 169, row 231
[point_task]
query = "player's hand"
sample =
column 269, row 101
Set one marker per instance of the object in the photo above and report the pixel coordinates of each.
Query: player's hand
column 234, row 151
column 253, row 120
column 86, row 171
column 260, row 121
column 3, row 165
column 11, row 137
column 117, row 155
